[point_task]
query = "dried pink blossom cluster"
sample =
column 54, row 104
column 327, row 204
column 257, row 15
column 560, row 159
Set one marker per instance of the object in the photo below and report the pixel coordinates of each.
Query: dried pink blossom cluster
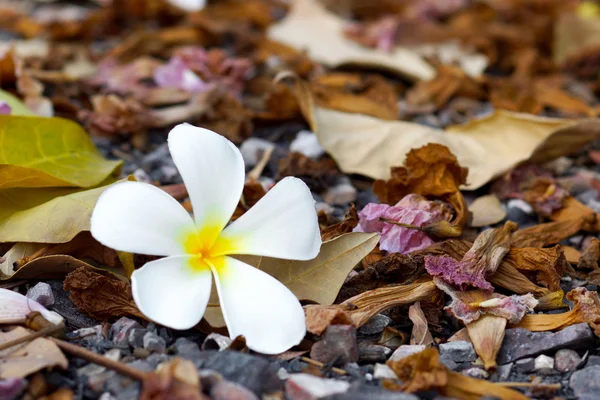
column 413, row 210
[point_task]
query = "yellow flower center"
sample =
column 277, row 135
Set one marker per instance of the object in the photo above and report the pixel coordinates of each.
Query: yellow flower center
column 207, row 246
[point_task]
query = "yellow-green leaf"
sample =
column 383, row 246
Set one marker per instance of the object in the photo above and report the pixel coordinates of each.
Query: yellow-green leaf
column 16, row 106
column 319, row 279
column 45, row 215
column 38, row 152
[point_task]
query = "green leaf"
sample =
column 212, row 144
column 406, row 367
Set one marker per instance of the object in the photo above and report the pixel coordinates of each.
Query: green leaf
column 38, row 152
column 45, row 215
column 16, row 106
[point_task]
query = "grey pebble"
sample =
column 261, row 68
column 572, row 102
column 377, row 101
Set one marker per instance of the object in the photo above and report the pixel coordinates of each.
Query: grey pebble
column 566, row 360
column 458, row 351
column 375, row 325
column 585, row 383
column 42, row 293
column 154, row 343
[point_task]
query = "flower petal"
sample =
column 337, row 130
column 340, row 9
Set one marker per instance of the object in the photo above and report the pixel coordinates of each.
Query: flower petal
column 140, row 218
column 172, row 291
column 213, row 172
column 283, row 224
column 258, row 306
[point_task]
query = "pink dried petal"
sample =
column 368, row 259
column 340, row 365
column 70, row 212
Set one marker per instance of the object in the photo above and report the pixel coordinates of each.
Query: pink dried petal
column 456, row 273
column 412, row 210
column 15, row 306
column 513, row 308
column 462, row 311
column 176, row 74
column 11, row 388
column 4, row 108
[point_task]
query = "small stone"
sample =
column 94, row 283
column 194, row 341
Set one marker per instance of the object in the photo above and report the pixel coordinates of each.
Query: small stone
column 141, row 176
column 136, row 337
column 592, row 360
column 503, row 372
column 447, row 360
column 42, row 293
column 307, row 143
column 406, row 350
column 310, row 387
column 209, row 378
column 154, row 343
column 338, row 346
column 566, row 360
column 225, row 390
column 544, row 362
column 185, row 348
column 475, row 372
column 375, row 325
column 215, row 341
column 65, row 307
column 560, row 165
column 253, row 372
column 361, row 391
column 458, row 351
column 369, row 353
column 585, row 383
column 252, row 150
column 525, row 365
column 382, row 371
column 119, row 331
column 341, row 194
column 519, row 343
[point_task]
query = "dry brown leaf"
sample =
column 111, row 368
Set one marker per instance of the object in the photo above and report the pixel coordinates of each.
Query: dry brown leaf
column 573, row 208
column 176, row 379
column 420, row 332
column 423, row 371
column 102, row 297
column 486, row 210
column 488, row 146
column 586, row 309
column 310, row 26
column 318, row 279
column 319, row 318
column 361, row 308
column 22, row 360
column 346, row 225
column 590, row 255
column 318, row 175
column 573, row 35
column 546, row 266
column 572, row 255
column 550, row 233
column 366, row 94
column 430, row 171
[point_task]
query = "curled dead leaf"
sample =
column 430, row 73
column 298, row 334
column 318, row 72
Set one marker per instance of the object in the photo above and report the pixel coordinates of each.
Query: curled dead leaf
column 101, row 296
column 420, row 332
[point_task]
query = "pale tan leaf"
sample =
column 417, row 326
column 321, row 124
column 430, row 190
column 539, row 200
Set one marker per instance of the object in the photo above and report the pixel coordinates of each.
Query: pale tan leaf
column 420, row 331
column 309, row 26
column 488, row 146
column 22, row 360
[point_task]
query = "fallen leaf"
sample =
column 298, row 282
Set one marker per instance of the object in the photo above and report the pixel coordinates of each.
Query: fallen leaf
column 573, row 36
column 483, row 258
column 486, row 210
column 572, row 255
column 586, row 309
column 420, row 332
column 488, row 146
column 573, row 209
column 100, row 296
column 43, row 152
column 346, row 225
column 545, row 266
column 549, row 233
column 430, row 171
column 22, row 360
column 318, row 175
column 46, row 215
column 319, row 279
column 358, row 310
column 310, row 26
column 423, row 371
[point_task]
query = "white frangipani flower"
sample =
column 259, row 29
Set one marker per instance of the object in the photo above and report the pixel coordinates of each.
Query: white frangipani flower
column 174, row 291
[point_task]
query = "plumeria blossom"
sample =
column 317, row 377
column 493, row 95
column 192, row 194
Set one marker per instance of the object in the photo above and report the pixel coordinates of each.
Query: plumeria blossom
column 174, row 291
